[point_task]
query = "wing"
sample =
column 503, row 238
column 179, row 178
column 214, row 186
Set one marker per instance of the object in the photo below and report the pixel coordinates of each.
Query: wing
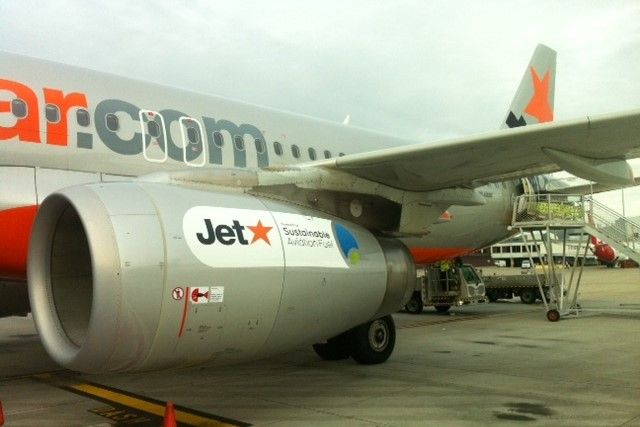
column 405, row 189
column 591, row 148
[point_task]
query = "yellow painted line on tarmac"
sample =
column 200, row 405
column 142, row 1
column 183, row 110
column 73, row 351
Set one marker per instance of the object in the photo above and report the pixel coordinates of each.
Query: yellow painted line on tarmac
column 131, row 402
column 124, row 399
column 182, row 416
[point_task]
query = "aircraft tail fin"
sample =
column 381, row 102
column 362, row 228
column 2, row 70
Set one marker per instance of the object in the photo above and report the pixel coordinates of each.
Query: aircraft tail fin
column 533, row 101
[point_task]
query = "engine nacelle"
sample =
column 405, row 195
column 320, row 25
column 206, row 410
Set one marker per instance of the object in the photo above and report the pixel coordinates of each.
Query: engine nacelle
column 136, row 276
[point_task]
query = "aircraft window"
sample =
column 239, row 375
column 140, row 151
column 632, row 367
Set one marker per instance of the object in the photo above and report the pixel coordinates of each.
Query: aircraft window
column 470, row 275
column 83, row 117
column 327, row 154
column 277, row 148
column 312, row 153
column 192, row 135
column 113, row 124
column 52, row 113
column 259, row 145
column 340, row 154
column 295, row 151
column 19, row 108
column 218, row 139
column 153, row 129
column 238, row 142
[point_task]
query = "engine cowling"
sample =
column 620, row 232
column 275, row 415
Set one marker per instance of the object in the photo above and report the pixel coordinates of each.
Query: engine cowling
column 138, row 276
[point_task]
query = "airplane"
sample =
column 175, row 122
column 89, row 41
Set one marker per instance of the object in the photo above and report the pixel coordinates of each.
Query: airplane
column 603, row 252
column 162, row 228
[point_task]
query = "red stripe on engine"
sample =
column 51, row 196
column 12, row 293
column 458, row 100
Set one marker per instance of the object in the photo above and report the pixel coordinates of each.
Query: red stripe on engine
column 185, row 312
column 15, row 229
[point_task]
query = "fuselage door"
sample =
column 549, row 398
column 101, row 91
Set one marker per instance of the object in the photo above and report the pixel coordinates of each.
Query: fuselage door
column 154, row 147
column 525, row 203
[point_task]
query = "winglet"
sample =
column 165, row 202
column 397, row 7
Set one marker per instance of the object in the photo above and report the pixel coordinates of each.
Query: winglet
column 533, row 102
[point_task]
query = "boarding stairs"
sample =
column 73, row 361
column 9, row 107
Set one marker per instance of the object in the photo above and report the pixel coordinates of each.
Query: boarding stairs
column 563, row 211
column 569, row 214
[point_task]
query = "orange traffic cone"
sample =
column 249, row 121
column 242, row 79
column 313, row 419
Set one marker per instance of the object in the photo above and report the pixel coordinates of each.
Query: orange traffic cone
column 169, row 416
column 1, row 415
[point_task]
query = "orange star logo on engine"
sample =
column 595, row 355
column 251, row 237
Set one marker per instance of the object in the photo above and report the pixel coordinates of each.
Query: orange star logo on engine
column 260, row 232
column 539, row 106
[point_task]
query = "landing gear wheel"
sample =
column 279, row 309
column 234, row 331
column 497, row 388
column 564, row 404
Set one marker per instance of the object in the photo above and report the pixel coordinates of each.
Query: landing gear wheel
column 373, row 342
column 528, row 296
column 442, row 308
column 414, row 305
column 553, row 315
column 336, row 348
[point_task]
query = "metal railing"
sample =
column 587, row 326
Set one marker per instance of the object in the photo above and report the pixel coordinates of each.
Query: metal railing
column 549, row 209
column 568, row 210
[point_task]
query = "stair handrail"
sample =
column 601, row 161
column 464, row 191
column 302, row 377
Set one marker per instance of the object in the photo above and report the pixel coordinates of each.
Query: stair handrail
column 619, row 228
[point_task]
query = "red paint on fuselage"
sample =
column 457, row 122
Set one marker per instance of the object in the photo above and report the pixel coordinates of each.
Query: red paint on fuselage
column 430, row 255
column 15, row 226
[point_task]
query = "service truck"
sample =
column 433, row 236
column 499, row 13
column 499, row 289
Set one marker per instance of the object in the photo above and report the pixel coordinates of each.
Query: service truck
column 507, row 283
column 445, row 285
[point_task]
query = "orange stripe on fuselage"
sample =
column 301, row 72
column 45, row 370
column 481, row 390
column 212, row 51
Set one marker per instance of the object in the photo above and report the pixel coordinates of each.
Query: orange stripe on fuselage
column 429, row 255
column 15, row 229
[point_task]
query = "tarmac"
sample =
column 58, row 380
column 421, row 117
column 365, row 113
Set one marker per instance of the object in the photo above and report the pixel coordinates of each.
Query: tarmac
column 500, row 363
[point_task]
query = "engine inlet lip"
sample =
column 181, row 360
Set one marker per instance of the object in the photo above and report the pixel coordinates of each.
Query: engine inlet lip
column 101, row 328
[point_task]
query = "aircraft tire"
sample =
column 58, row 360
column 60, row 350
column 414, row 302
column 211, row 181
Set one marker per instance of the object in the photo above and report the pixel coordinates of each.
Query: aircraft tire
column 336, row 348
column 443, row 308
column 414, row 305
column 528, row 296
column 373, row 342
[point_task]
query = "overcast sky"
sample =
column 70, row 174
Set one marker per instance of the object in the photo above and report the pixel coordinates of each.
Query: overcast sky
column 424, row 70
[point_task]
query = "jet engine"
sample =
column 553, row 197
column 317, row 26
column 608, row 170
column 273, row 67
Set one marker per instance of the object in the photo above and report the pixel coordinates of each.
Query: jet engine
column 138, row 276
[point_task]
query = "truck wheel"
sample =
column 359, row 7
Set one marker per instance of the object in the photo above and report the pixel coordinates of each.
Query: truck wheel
column 442, row 308
column 336, row 348
column 414, row 305
column 373, row 342
column 492, row 295
column 528, row 296
column 553, row 315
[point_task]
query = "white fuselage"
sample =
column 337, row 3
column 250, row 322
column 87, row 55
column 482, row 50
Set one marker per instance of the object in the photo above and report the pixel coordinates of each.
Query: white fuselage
column 61, row 126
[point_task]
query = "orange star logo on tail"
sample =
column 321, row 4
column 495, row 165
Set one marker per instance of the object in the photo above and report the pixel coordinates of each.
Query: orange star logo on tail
column 260, row 232
column 539, row 107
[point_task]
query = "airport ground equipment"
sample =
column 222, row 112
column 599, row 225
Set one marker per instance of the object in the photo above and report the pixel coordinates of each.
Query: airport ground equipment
column 502, row 283
column 544, row 213
column 446, row 285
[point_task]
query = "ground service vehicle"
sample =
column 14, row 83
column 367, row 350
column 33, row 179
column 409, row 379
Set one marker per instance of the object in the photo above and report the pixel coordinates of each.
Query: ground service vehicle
column 501, row 283
column 442, row 286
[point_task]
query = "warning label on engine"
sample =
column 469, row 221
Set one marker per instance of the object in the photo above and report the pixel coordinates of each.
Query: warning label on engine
column 206, row 295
